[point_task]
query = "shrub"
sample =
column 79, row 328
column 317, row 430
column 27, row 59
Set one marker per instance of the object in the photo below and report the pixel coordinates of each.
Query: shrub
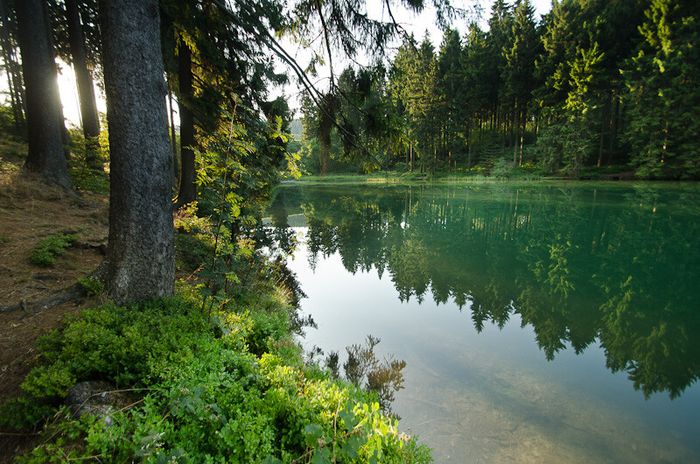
column 50, row 248
column 92, row 285
column 502, row 169
column 204, row 397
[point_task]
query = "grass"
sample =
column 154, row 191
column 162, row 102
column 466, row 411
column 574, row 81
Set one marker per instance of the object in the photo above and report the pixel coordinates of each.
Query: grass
column 396, row 177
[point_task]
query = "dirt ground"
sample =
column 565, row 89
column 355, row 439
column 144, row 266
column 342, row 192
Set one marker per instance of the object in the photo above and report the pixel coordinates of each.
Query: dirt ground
column 29, row 212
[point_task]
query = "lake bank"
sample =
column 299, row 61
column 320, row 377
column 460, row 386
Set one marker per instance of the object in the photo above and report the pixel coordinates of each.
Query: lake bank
column 200, row 376
column 396, row 178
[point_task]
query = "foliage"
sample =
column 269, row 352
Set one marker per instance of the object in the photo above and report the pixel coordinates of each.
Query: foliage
column 92, row 285
column 48, row 249
column 502, row 169
column 86, row 177
column 363, row 369
column 593, row 84
column 662, row 81
column 202, row 395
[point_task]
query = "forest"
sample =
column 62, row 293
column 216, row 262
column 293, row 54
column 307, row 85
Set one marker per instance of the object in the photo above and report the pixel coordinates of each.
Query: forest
column 592, row 85
column 147, row 313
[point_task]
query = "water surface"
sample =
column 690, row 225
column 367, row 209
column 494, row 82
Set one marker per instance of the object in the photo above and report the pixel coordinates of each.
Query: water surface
column 539, row 323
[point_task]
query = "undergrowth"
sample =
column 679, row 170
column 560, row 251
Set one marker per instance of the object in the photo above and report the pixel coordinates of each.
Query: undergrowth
column 204, row 395
column 92, row 285
column 87, row 172
column 50, row 248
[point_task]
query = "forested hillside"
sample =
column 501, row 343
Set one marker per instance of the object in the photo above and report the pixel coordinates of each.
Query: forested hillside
column 591, row 84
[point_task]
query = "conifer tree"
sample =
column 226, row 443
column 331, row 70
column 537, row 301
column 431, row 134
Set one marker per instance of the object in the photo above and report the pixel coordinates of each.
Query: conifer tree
column 45, row 123
column 140, row 254
column 664, row 102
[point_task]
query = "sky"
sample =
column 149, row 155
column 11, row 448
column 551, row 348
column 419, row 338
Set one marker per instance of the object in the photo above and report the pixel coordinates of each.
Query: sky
column 478, row 10
column 416, row 24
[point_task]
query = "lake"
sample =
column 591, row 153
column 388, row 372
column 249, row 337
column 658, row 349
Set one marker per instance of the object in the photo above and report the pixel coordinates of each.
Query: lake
column 544, row 322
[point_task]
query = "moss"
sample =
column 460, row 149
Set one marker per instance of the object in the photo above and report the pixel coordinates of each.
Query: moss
column 92, row 285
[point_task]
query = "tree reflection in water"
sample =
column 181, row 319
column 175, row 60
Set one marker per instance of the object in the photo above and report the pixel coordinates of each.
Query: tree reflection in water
column 581, row 265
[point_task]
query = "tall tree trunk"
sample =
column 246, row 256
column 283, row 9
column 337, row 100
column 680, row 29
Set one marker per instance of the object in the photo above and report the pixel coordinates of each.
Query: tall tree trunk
column 140, row 255
column 469, row 143
column 12, row 68
column 86, row 91
column 20, row 103
column 324, row 142
column 44, row 113
column 612, row 139
column 65, row 135
column 17, row 113
column 604, row 126
column 523, row 128
column 188, row 190
column 514, row 132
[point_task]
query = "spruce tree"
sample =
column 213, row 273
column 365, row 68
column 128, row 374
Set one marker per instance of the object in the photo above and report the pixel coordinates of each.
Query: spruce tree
column 140, row 254
column 664, row 102
column 45, row 123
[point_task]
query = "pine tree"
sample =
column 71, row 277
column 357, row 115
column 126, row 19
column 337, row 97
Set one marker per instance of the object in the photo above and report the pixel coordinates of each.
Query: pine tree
column 664, row 101
column 449, row 86
column 79, row 58
column 45, row 123
column 499, row 40
column 519, row 72
column 140, row 255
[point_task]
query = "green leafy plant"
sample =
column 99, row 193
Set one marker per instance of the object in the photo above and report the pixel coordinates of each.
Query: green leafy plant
column 92, row 285
column 50, row 248
column 502, row 169
column 201, row 394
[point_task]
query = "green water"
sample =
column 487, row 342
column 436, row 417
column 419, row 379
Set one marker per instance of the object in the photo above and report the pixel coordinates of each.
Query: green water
column 539, row 323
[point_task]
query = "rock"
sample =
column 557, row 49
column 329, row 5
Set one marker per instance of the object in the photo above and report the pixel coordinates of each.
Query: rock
column 96, row 397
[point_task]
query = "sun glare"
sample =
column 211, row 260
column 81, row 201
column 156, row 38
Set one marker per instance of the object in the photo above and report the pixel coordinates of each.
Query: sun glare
column 69, row 94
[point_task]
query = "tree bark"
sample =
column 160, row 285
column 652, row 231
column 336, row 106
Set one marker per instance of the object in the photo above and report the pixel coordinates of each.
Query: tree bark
column 12, row 68
column 514, row 133
column 140, row 254
column 324, row 151
column 523, row 129
column 44, row 113
column 188, row 190
column 86, row 91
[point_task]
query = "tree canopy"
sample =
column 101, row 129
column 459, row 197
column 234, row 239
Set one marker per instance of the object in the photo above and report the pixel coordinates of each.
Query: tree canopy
column 591, row 84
